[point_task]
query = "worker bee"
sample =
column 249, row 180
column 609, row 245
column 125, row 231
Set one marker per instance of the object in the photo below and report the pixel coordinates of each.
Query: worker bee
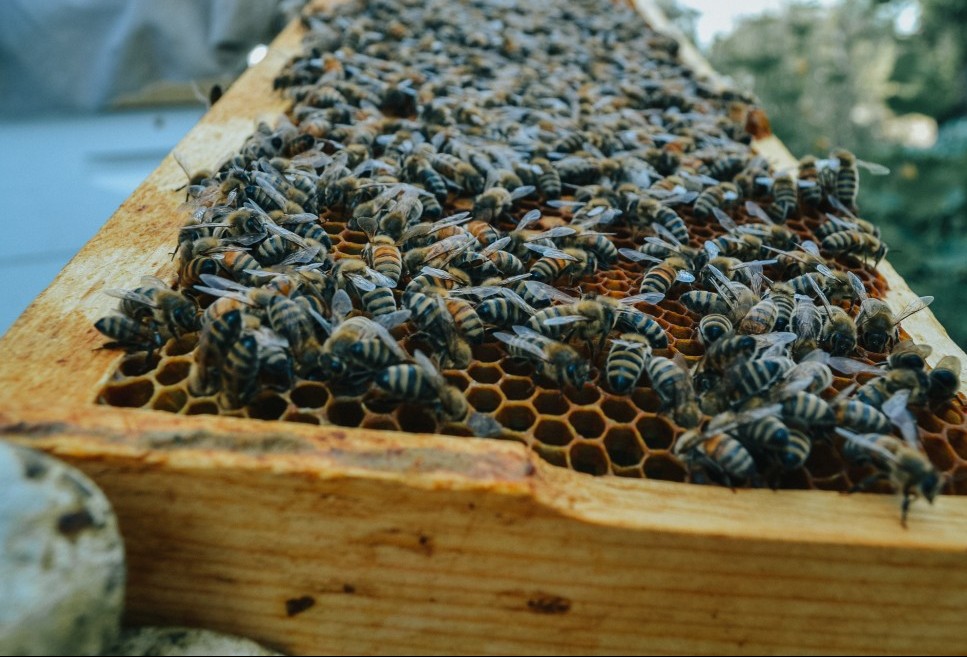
column 555, row 263
column 672, row 383
column 419, row 170
column 838, row 335
column 853, row 242
column 712, row 328
column 586, row 318
column 548, row 179
column 810, row 191
column 356, row 273
column 846, row 166
column 626, row 361
column 379, row 301
column 719, row 196
column 130, row 334
column 357, row 346
column 499, row 261
column 556, row 361
column 904, row 465
column 240, row 372
column 464, row 174
column 773, row 234
column 384, row 257
column 422, row 381
column 721, row 453
column 944, row 380
column 834, row 224
column 497, row 202
column 877, row 326
column 784, row 195
column 217, row 337
column 660, row 278
column 172, row 310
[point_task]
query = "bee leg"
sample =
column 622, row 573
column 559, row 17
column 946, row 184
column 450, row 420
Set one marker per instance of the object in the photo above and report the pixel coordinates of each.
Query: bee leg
column 905, row 507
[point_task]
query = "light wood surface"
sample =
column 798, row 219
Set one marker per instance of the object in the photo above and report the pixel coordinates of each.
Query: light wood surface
column 324, row 539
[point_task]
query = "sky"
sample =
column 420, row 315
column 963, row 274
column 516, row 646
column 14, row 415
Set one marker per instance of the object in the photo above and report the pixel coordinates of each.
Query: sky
column 719, row 16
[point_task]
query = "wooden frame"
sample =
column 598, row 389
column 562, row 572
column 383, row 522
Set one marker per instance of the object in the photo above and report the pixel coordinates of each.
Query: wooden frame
column 326, row 539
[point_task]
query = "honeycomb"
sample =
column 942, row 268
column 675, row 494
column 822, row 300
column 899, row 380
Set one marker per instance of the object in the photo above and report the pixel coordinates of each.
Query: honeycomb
column 589, row 430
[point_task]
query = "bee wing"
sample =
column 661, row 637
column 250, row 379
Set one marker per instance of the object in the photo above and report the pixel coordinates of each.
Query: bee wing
column 519, row 343
column 701, row 179
column 725, row 220
column 681, row 198
column 665, row 239
column 244, row 240
column 820, row 295
column 766, row 181
column 553, row 233
column 559, row 203
column 652, row 298
column 450, row 245
column 839, row 221
column 548, row 292
column 220, row 283
column 381, row 280
column 361, row 282
column 320, row 320
column 227, row 294
column 428, row 366
column 809, row 247
column 369, row 224
column 873, row 167
column 529, row 218
column 911, row 308
column 730, row 420
column 264, row 181
column 896, row 409
column 720, row 277
column 776, row 338
column 755, row 210
column 839, row 207
column 711, row 248
column 436, row 273
column 300, row 218
column 683, row 276
column 854, row 282
column 266, row 337
column 302, row 256
column 867, row 444
column 131, row 295
column 483, row 425
column 638, row 256
column 852, row 366
column 550, row 252
column 341, row 305
column 153, row 281
column 756, row 264
column 452, row 220
column 496, row 246
column 521, row 192
column 564, row 320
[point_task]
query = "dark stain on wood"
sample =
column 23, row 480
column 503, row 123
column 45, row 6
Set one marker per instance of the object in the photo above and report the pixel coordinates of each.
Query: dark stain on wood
column 545, row 603
column 295, row 606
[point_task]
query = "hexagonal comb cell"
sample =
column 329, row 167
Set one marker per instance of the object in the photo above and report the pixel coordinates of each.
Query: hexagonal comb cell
column 589, row 429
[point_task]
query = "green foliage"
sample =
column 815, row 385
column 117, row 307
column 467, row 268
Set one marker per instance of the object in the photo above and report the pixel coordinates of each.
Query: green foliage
column 837, row 76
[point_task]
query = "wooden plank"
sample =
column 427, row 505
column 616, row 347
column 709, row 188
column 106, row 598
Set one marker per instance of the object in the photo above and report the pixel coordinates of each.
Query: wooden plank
column 323, row 539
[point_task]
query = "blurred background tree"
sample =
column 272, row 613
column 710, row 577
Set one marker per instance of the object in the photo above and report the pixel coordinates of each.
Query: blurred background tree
column 886, row 79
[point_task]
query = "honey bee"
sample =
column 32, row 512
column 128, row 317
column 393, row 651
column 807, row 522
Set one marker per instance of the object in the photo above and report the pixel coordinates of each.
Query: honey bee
column 130, row 334
column 501, row 262
column 418, row 169
column 719, row 452
column 384, row 257
column 773, row 234
column 810, row 191
column 215, row 340
column 719, row 196
column 712, row 328
column 379, row 301
column 660, row 278
column 858, row 417
column 838, row 335
column 497, row 202
column 556, row 361
column 422, row 381
column 944, row 380
column 834, row 224
column 170, row 309
column 784, row 190
column 877, row 326
column 464, row 174
column 555, row 263
column 240, row 372
column 672, row 383
column 358, row 346
column 846, row 166
column 589, row 318
column 626, row 361
column 356, row 273
column 904, row 465
column 548, row 179
column 851, row 242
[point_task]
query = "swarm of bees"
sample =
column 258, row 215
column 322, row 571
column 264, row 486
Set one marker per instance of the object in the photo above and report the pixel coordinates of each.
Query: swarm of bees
column 496, row 161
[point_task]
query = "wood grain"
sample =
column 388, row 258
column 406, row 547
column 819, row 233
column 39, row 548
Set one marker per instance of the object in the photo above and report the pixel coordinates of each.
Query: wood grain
column 324, row 539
